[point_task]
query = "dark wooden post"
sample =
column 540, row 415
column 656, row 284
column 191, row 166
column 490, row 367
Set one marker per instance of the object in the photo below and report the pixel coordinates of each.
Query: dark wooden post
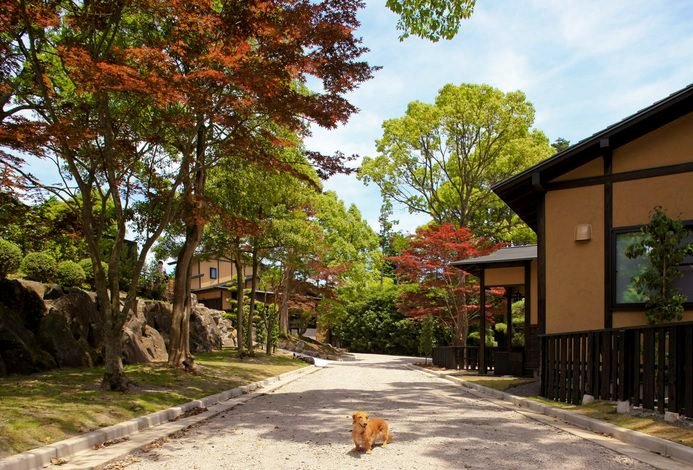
column 482, row 323
column 509, row 318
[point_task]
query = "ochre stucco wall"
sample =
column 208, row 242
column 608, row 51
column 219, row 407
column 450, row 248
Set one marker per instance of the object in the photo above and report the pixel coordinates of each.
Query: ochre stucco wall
column 225, row 272
column 574, row 270
column 669, row 145
column 633, row 200
column 625, row 319
column 499, row 277
column 593, row 168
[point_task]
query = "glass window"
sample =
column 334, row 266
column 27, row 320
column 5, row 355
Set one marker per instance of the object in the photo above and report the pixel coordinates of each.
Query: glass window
column 212, row 273
column 627, row 269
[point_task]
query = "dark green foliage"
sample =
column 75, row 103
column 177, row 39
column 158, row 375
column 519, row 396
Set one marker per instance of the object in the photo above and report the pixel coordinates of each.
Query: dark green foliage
column 374, row 325
column 152, row 283
column 10, row 258
column 266, row 314
column 70, row 274
column 39, row 266
column 426, row 336
column 560, row 144
column 473, row 339
column 49, row 226
column 662, row 243
column 88, row 268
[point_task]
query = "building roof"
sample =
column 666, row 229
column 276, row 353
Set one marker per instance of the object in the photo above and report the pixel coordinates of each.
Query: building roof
column 523, row 191
column 512, row 255
column 225, row 286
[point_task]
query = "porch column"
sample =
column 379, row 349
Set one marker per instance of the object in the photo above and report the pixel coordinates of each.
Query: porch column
column 509, row 317
column 482, row 322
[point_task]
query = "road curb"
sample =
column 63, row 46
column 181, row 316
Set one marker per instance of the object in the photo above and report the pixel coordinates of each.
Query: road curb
column 644, row 441
column 42, row 456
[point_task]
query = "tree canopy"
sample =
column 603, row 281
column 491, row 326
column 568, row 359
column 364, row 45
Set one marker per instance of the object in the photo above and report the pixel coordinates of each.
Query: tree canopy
column 441, row 159
column 431, row 19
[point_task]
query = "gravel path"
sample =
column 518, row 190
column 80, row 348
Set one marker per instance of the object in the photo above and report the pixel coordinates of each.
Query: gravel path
column 436, row 425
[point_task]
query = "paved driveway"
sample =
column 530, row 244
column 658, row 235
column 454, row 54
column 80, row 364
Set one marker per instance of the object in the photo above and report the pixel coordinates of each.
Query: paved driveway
column 436, row 425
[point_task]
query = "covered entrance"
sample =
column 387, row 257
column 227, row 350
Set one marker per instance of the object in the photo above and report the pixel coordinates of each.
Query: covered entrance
column 515, row 270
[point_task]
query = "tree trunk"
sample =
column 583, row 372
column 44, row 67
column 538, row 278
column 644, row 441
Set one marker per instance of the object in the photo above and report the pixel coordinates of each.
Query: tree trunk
column 114, row 378
column 284, row 310
column 179, row 355
column 239, row 300
column 253, row 288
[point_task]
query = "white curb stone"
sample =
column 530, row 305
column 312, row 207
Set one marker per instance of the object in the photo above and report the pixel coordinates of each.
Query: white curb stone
column 679, row 452
column 623, row 407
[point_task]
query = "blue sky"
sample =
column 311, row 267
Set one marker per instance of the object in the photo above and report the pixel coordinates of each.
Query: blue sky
column 584, row 65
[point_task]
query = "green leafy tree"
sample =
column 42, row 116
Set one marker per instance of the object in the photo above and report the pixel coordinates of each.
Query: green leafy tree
column 441, row 159
column 662, row 243
column 431, row 19
column 560, row 144
column 374, row 324
column 10, row 258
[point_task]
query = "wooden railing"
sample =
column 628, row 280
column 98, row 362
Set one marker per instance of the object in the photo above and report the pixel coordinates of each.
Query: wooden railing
column 461, row 357
column 651, row 366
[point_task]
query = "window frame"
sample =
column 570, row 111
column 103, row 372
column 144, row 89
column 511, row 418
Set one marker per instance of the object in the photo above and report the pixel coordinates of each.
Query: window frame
column 636, row 306
column 214, row 270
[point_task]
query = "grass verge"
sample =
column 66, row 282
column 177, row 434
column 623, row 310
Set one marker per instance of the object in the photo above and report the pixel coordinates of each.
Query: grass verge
column 605, row 411
column 497, row 383
column 39, row 409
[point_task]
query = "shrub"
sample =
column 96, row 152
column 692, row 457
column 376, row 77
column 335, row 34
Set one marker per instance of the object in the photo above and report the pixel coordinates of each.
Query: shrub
column 70, row 274
column 39, row 267
column 88, row 268
column 10, row 258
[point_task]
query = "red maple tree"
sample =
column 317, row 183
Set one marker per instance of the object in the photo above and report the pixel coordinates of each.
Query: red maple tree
column 436, row 287
column 134, row 102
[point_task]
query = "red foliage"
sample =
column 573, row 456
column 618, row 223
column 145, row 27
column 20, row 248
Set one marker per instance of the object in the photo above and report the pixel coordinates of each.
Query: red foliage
column 437, row 288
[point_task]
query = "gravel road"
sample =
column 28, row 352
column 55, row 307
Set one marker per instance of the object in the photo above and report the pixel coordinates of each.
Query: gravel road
column 436, row 425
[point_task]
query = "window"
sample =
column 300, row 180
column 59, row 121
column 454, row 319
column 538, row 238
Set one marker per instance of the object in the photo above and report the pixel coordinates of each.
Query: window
column 212, row 273
column 626, row 269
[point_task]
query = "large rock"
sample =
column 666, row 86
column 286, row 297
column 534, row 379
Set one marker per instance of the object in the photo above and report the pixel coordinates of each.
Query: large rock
column 228, row 332
column 158, row 316
column 205, row 335
column 56, row 338
column 20, row 352
column 141, row 342
column 24, row 300
column 84, row 321
column 21, row 311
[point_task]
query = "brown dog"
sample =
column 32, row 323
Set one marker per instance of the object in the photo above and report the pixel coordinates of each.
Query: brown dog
column 365, row 431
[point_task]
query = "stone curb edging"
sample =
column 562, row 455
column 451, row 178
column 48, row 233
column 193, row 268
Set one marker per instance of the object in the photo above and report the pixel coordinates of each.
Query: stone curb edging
column 644, row 441
column 41, row 456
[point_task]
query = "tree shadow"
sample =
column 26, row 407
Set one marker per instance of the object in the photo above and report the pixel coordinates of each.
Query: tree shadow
column 441, row 421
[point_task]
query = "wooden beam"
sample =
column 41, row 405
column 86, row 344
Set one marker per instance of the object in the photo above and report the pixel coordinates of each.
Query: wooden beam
column 618, row 177
column 541, row 266
column 607, row 238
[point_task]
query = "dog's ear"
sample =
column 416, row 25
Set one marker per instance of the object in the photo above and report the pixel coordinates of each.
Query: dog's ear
column 353, row 418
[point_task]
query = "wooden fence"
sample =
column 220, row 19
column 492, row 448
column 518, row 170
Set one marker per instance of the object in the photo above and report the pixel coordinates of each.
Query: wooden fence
column 650, row 366
column 461, row 357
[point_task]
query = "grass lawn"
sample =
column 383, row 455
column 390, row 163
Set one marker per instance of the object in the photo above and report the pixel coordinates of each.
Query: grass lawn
column 498, row 383
column 39, row 409
column 606, row 411
column 602, row 410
